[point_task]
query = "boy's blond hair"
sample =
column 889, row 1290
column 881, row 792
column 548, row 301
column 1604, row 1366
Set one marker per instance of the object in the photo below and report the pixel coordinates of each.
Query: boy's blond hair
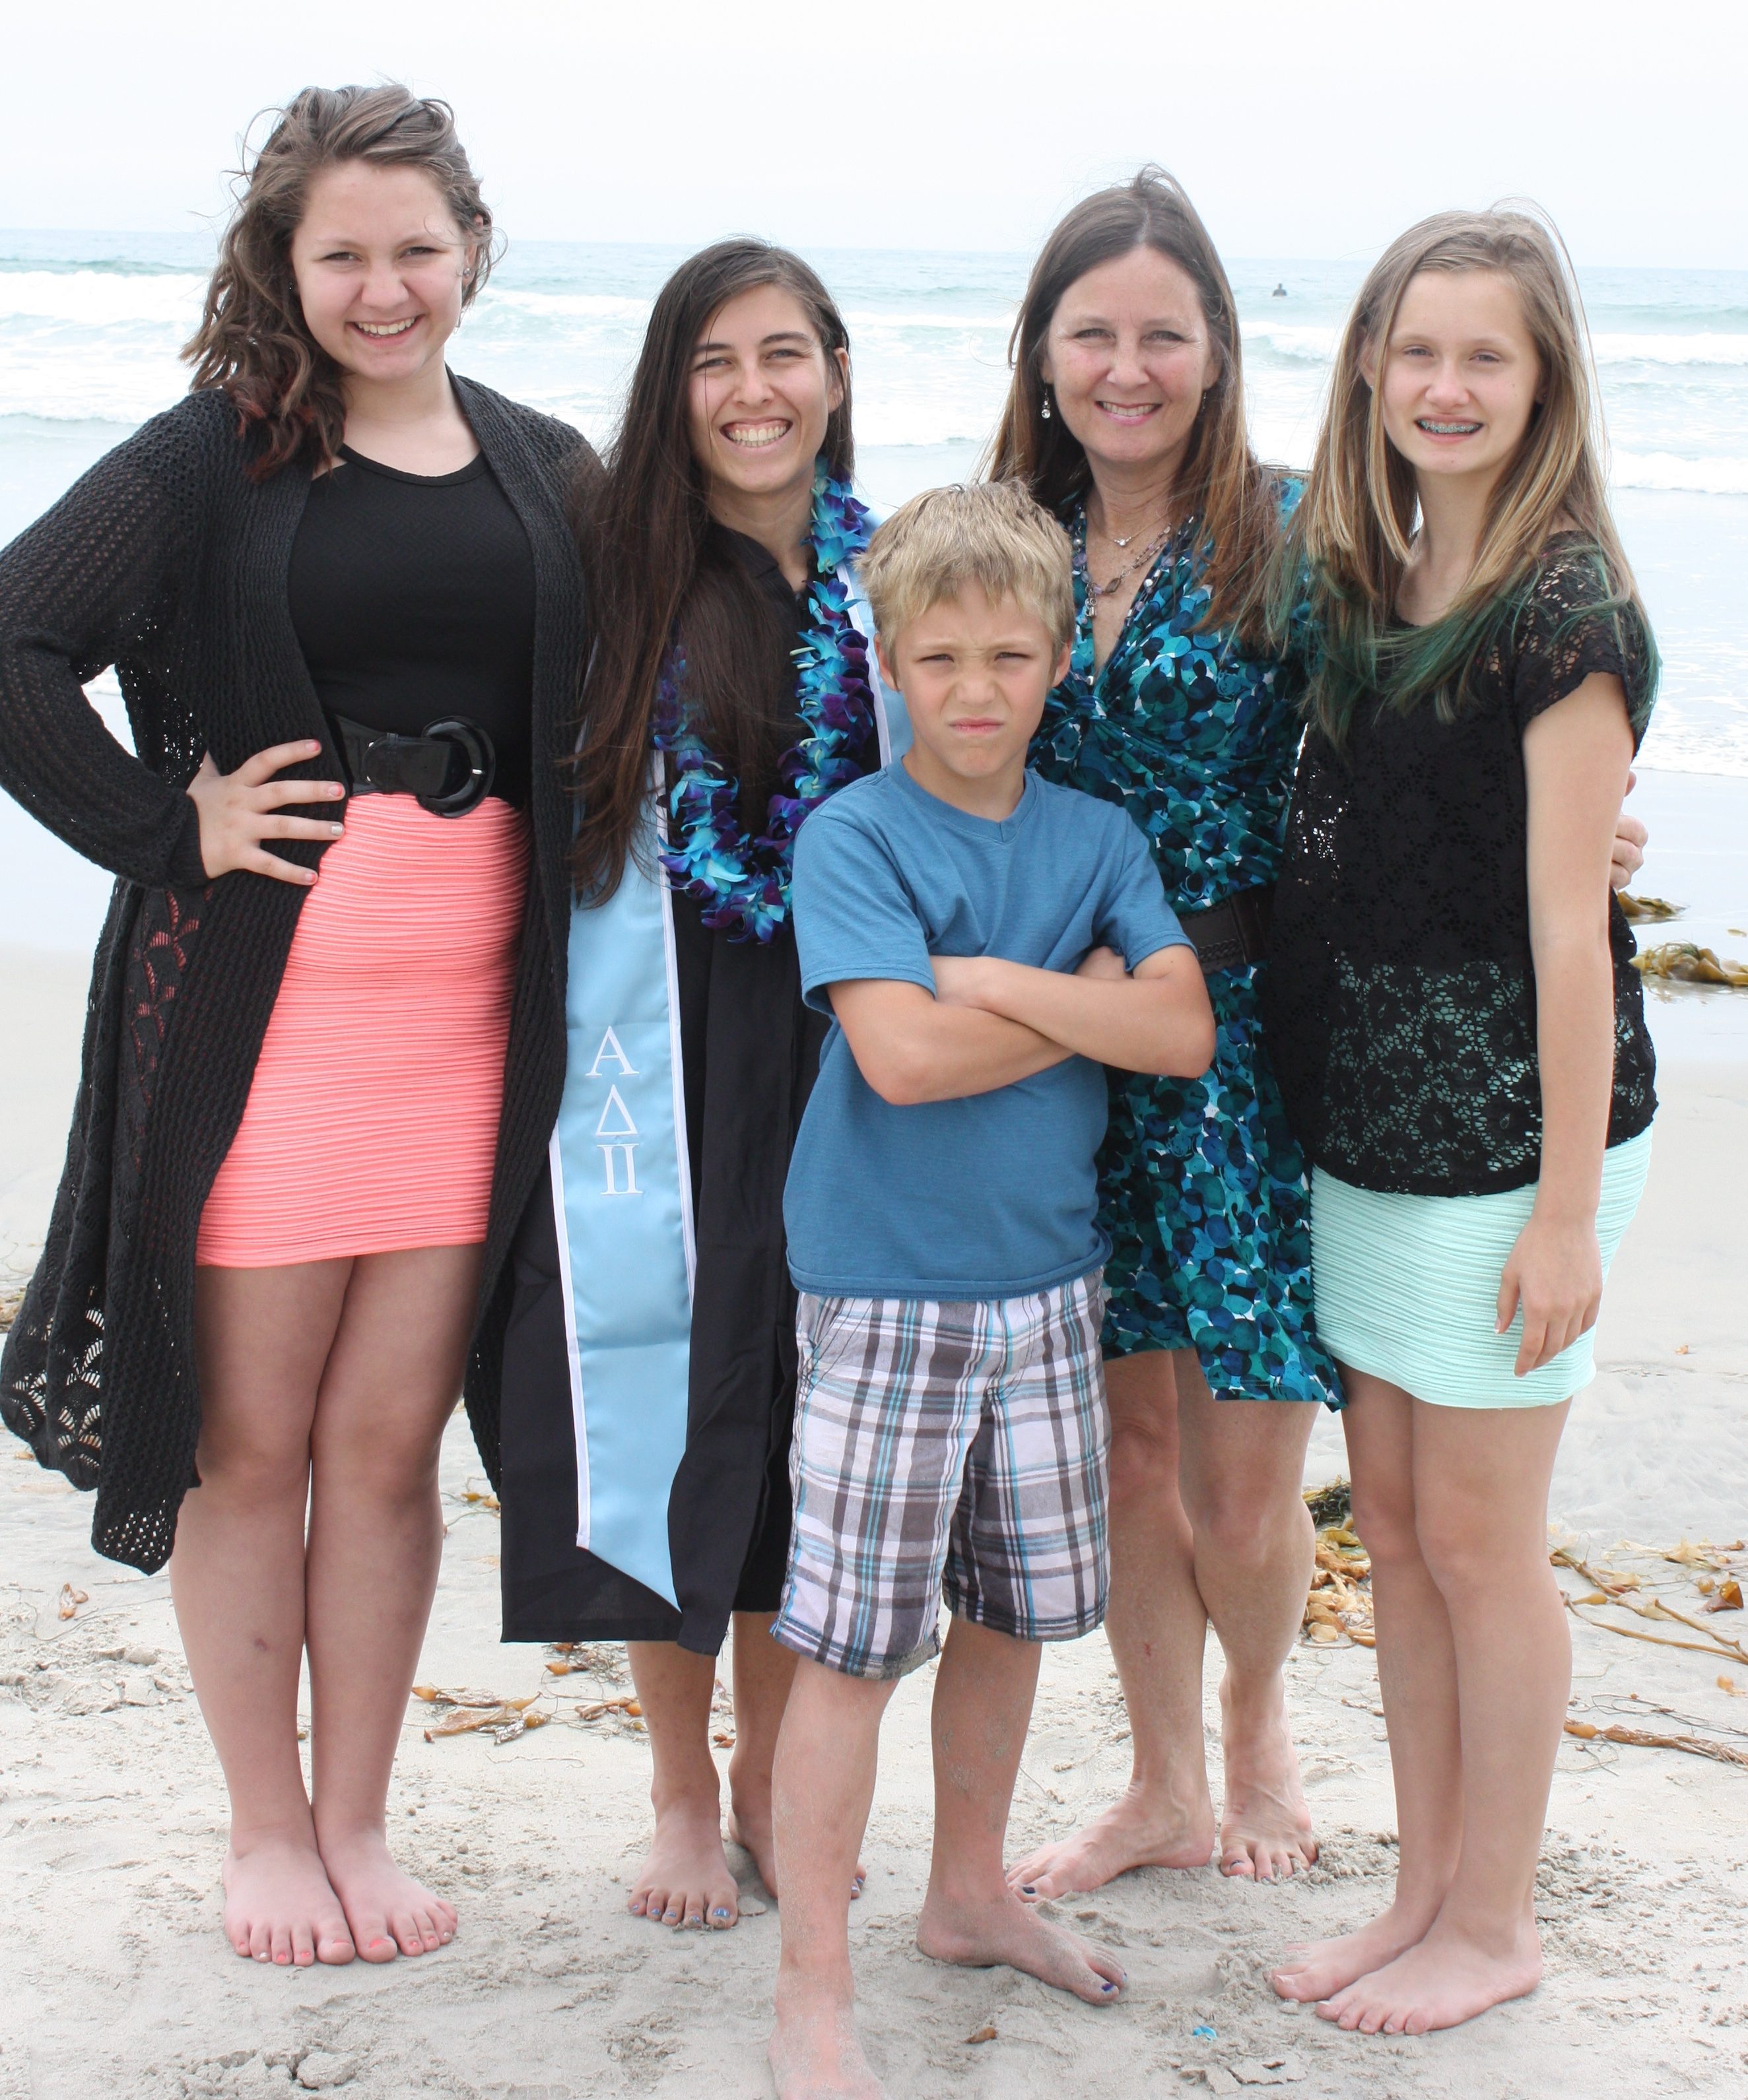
column 993, row 535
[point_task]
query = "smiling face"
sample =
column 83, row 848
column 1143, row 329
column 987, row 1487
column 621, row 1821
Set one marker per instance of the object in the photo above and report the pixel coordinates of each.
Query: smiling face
column 380, row 266
column 763, row 390
column 1461, row 375
column 975, row 675
column 1129, row 355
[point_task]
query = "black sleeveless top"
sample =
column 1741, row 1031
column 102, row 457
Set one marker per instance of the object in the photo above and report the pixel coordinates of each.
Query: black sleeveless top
column 1400, row 992
column 412, row 597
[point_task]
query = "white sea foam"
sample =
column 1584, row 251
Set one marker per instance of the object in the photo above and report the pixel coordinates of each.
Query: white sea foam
column 1298, row 342
column 1310, row 344
column 100, row 299
column 1699, row 348
column 999, row 324
column 566, row 306
column 1701, row 732
column 1702, row 477
column 75, row 382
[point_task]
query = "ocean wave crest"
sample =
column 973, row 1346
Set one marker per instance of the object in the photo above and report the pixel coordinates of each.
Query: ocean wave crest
column 578, row 305
column 101, row 298
column 1296, row 342
column 1700, row 348
column 1670, row 470
column 1305, row 344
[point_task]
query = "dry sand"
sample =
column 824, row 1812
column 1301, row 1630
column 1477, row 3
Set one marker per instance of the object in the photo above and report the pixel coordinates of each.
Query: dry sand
column 110, row 1798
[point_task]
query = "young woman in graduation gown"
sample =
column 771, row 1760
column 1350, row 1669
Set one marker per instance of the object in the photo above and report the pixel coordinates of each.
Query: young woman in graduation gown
column 650, row 1359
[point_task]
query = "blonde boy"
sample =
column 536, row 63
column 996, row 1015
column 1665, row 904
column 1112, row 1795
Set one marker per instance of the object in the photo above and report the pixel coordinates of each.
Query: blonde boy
column 986, row 943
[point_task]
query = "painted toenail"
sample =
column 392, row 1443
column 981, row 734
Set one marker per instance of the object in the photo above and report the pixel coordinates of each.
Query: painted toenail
column 1030, row 1889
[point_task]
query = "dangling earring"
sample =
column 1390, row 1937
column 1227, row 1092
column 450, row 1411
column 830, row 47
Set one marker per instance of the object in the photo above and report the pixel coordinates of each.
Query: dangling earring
column 1045, row 407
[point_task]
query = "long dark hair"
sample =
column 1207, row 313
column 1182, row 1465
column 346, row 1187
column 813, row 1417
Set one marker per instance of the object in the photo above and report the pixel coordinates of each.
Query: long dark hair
column 1221, row 480
column 253, row 340
column 655, row 571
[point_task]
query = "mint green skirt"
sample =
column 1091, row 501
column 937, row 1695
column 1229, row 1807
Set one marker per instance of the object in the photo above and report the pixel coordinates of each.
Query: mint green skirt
column 1406, row 1286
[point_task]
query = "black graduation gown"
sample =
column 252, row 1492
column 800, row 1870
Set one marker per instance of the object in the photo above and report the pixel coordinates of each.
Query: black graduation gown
column 750, row 1052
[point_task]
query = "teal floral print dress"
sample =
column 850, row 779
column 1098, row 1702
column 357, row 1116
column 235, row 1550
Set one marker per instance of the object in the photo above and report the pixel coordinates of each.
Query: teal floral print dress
column 1203, row 1189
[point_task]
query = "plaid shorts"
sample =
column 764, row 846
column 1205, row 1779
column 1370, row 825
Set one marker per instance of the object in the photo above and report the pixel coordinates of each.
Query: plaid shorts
column 956, row 1449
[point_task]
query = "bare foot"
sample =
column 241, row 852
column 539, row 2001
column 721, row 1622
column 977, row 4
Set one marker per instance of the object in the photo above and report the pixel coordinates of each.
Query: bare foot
column 1325, row 1966
column 1264, row 1826
column 686, row 1880
column 749, row 1826
column 280, row 1905
column 1448, row 1978
column 814, row 2051
column 979, row 1934
column 1143, row 1829
column 390, row 1912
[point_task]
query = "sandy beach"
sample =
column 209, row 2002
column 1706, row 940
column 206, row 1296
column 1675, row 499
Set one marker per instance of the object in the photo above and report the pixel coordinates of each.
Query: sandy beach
column 114, row 1814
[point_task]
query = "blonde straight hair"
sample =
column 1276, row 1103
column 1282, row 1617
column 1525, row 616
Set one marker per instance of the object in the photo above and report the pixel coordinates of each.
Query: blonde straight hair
column 1354, row 529
column 993, row 535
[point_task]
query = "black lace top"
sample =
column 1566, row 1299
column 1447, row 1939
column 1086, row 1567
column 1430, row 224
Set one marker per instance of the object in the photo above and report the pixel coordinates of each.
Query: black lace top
column 1399, row 996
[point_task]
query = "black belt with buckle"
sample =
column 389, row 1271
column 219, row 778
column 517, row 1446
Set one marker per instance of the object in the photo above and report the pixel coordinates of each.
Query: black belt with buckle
column 448, row 769
column 1232, row 932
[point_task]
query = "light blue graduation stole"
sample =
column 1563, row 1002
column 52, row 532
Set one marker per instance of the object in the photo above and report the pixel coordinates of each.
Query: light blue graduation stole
column 622, row 1200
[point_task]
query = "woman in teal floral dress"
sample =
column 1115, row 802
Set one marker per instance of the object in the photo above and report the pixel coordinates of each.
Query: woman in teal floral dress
column 1126, row 416
column 1197, row 740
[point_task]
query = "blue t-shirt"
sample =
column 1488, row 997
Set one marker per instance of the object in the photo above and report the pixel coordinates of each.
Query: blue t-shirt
column 992, row 1194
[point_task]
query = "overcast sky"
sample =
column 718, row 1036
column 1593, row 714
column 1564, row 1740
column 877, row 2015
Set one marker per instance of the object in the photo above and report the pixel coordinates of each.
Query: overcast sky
column 1304, row 128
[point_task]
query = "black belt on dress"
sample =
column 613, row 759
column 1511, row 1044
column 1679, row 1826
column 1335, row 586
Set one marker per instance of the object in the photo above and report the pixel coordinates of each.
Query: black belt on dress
column 1234, row 931
column 449, row 768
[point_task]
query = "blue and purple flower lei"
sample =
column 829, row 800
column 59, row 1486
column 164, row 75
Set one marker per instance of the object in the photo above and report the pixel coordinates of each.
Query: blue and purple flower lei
column 742, row 881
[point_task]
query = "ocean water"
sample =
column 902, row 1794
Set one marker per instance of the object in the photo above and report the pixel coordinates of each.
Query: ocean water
column 90, row 326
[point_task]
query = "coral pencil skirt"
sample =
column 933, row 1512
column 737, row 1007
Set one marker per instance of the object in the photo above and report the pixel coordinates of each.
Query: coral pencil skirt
column 372, row 1120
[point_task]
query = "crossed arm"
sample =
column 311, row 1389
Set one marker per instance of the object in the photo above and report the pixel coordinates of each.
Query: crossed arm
column 988, row 1023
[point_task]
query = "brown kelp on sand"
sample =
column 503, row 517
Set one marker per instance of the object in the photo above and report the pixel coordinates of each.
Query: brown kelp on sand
column 1338, row 1605
column 1635, row 909
column 1339, row 1608
column 1682, row 962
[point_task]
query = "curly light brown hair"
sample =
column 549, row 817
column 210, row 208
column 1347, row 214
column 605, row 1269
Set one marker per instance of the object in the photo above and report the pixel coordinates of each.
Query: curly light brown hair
column 252, row 340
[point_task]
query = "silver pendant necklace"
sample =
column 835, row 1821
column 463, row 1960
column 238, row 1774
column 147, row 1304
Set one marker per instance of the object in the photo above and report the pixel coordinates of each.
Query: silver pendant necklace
column 1098, row 590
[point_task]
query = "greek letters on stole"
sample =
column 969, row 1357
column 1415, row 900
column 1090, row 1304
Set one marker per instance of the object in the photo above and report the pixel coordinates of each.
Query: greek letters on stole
column 622, row 1200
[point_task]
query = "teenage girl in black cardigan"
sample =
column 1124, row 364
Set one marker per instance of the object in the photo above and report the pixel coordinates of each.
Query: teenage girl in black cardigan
column 325, row 972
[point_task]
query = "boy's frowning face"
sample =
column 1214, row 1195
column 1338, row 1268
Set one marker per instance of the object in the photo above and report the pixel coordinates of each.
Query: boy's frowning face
column 975, row 676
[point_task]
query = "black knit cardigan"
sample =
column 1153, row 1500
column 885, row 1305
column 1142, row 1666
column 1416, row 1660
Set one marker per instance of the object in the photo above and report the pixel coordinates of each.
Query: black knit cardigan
column 168, row 562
